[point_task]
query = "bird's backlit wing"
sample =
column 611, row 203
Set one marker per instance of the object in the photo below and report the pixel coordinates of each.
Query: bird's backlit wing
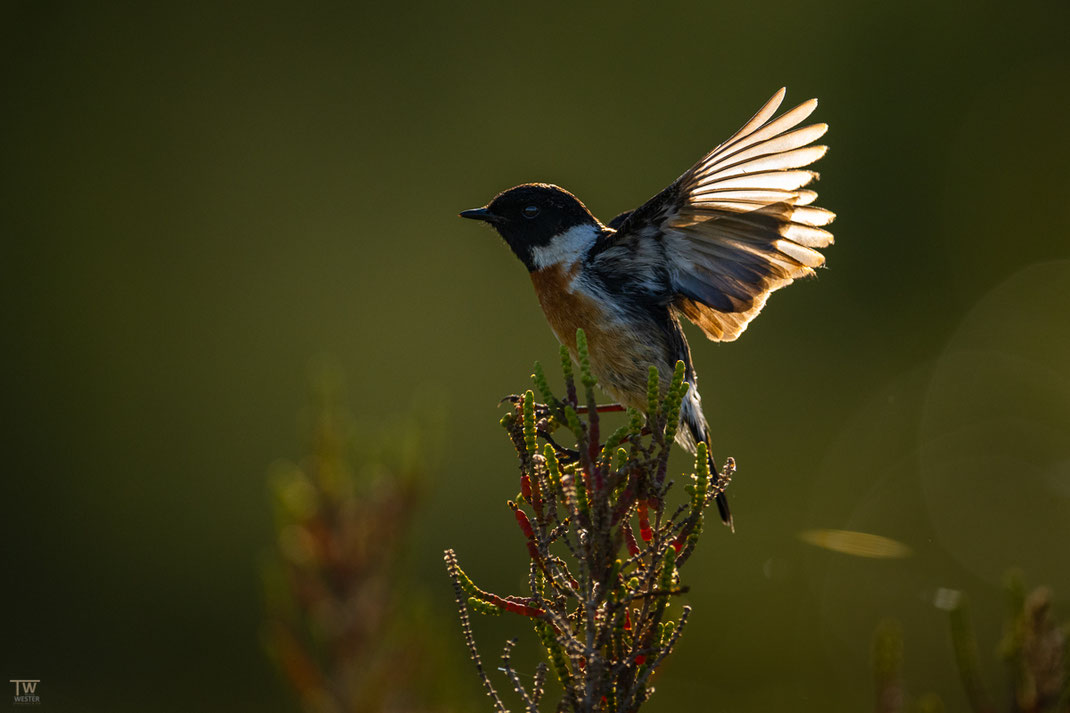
column 740, row 223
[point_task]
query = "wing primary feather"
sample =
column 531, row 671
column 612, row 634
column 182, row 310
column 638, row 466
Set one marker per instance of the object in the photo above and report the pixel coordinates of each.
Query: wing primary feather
column 808, row 257
column 807, row 235
column 812, row 216
column 783, row 180
column 759, row 195
column 780, row 125
column 815, row 217
column 777, row 144
column 796, row 158
column 763, row 115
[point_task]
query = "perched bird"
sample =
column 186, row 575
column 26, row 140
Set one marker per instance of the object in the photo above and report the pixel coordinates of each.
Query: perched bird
column 711, row 247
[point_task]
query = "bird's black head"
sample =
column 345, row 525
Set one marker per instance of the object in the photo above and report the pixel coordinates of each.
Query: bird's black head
column 531, row 215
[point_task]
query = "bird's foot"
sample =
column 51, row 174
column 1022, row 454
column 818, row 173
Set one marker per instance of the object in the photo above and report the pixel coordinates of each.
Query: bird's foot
column 565, row 456
column 541, row 410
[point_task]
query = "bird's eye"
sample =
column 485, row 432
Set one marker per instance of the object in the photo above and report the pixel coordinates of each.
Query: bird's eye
column 531, row 211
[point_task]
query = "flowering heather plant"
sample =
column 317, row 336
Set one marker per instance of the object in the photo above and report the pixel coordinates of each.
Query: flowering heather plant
column 599, row 593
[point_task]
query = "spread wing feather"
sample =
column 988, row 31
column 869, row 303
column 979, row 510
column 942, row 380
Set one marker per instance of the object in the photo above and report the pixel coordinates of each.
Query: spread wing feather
column 739, row 224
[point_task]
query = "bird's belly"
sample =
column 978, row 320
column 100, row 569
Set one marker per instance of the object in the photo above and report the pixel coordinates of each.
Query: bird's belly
column 621, row 349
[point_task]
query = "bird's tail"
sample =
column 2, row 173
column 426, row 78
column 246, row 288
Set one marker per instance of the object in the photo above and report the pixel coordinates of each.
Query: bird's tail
column 695, row 429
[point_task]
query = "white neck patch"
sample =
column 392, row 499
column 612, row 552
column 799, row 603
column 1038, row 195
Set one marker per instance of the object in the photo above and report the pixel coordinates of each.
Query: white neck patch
column 567, row 247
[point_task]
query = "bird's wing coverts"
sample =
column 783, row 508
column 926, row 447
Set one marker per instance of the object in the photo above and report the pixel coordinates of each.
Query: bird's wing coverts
column 740, row 223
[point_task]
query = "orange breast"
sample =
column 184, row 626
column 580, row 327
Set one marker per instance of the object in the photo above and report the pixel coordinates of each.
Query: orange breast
column 620, row 353
column 566, row 309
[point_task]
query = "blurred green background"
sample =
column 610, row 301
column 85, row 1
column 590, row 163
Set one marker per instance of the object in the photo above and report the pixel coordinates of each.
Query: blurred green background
column 199, row 198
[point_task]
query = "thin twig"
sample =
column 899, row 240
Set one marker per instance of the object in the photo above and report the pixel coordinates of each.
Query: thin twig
column 507, row 668
column 466, row 627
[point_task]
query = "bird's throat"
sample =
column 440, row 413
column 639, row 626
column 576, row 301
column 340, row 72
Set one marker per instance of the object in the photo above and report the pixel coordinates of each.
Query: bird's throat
column 566, row 248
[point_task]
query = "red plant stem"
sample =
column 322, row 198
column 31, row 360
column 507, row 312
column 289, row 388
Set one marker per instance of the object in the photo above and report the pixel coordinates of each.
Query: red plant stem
column 510, row 604
column 529, row 533
column 644, row 522
column 515, row 605
column 523, row 609
column 629, row 538
column 604, row 408
column 536, row 497
column 529, row 489
column 522, row 520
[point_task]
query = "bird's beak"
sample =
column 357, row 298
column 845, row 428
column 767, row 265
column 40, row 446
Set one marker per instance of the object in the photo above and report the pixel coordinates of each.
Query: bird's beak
column 480, row 214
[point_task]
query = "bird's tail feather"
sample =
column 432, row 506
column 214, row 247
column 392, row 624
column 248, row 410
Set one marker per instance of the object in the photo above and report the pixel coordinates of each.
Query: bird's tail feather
column 695, row 430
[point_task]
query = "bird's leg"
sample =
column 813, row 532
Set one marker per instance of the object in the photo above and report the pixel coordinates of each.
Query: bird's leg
column 541, row 410
column 564, row 455
column 542, row 413
column 604, row 408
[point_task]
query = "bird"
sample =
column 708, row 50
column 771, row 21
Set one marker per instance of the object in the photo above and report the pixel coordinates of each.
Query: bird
column 710, row 248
